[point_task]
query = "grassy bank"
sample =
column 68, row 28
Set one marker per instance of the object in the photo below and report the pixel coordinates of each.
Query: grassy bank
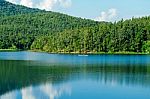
column 5, row 50
column 95, row 53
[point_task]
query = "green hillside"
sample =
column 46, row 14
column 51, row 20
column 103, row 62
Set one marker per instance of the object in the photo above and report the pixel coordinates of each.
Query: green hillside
column 25, row 24
column 33, row 29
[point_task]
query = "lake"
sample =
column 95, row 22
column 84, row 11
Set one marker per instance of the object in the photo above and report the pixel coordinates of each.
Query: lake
column 33, row 75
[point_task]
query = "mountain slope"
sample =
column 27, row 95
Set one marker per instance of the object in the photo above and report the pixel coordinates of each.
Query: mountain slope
column 19, row 25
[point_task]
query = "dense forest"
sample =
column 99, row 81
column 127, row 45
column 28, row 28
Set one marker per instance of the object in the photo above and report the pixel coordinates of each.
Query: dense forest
column 33, row 29
column 124, row 36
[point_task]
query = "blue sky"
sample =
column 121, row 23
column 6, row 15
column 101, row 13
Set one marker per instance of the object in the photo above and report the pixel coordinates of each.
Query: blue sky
column 101, row 10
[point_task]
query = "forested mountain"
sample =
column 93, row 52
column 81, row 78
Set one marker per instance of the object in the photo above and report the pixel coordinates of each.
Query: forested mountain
column 26, row 28
column 20, row 30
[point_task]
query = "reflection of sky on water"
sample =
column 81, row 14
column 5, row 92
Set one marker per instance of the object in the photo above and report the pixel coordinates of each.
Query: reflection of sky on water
column 78, row 59
column 45, row 91
column 83, row 89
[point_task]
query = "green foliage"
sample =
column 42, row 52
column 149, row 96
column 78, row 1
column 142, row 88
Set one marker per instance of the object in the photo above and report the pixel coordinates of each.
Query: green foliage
column 26, row 28
column 123, row 36
column 20, row 29
column 146, row 47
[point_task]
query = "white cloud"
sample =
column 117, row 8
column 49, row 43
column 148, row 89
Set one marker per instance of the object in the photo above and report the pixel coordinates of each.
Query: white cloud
column 65, row 3
column 46, row 4
column 43, row 4
column 12, row 1
column 109, row 15
column 28, row 3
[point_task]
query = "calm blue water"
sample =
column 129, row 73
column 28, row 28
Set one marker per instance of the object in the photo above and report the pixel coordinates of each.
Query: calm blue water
column 32, row 75
column 76, row 59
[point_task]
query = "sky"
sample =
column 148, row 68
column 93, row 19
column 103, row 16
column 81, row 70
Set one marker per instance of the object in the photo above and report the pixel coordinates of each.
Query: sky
column 99, row 10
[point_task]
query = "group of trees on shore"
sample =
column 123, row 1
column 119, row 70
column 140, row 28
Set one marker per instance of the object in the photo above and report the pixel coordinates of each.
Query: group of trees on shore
column 124, row 36
column 33, row 29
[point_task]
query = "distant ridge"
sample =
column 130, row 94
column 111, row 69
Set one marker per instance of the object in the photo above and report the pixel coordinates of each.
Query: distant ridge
column 7, row 8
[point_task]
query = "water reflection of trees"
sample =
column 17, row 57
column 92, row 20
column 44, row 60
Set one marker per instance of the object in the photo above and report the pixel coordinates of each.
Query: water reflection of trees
column 20, row 74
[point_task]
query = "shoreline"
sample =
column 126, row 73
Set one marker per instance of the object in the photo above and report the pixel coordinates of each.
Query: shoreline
column 93, row 53
column 79, row 53
column 3, row 50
